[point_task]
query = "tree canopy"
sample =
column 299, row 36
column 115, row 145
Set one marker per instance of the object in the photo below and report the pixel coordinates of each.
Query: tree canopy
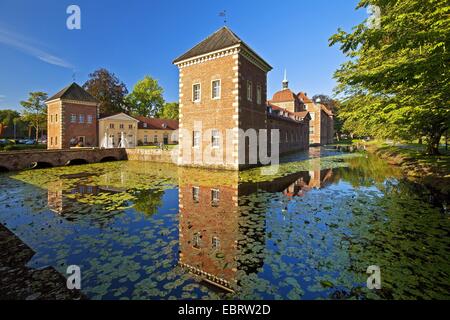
column 396, row 83
column 107, row 89
column 35, row 111
column 170, row 110
column 146, row 99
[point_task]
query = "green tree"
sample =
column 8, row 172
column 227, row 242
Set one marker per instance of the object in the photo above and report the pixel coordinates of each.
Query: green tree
column 35, row 111
column 170, row 111
column 146, row 99
column 108, row 89
column 8, row 118
column 396, row 83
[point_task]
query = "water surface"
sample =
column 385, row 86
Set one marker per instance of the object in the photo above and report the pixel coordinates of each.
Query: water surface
column 154, row 231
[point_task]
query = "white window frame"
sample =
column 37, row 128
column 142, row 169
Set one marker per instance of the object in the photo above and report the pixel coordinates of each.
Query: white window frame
column 196, row 194
column 313, row 115
column 215, row 197
column 196, row 140
column 215, row 138
column 199, row 92
column 249, row 90
column 81, row 118
column 73, row 118
column 121, row 126
column 90, row 119
column 219, row 94
column 258, row 94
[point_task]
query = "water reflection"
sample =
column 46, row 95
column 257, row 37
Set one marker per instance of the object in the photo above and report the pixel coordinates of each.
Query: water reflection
column 150, row 231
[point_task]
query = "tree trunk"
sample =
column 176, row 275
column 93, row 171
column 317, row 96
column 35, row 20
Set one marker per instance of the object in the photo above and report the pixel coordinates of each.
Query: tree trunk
column 37, row 132
column 433, row 144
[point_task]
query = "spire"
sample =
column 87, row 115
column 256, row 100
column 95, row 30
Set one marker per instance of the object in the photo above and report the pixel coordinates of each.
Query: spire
column 285, row 81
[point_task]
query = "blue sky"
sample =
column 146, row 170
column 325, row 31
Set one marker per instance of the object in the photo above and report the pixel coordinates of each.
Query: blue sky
column 138, row 37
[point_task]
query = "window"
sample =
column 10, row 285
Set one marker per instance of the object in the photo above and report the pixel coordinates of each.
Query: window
column 311, row 130
column 111, row 125
column 90, row 118
column 51, row 118
column 196, row 241
column 196, row 139
column 258, row 94
column 313, row 115
column 215, row 89
column 249, row 90
column 56, row 117
column 196, row 92
column 215, row 242
column 215, row 138
column 56, row 141
column 145, row 139
column 155, row 139
column 130, row 126
column 51, row 141
column 215, row 197
column 195, row 194
column 145, row 125
column 121, row 126
column 73, row 118
column 81, row 118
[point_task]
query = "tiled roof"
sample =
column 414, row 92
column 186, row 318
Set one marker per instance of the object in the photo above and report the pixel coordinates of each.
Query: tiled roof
column 303, row 97
column 303, row 114
column 284, row 96
column 282, row 113
column 326, row 110
column 157, row 124
column 221, row 39
column 74, row 92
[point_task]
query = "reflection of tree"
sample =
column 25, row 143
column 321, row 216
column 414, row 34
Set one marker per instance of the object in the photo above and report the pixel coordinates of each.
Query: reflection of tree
column 366, row 171
column 148, row 201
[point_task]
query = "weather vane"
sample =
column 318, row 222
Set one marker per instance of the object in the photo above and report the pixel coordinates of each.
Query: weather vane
column 224, row 15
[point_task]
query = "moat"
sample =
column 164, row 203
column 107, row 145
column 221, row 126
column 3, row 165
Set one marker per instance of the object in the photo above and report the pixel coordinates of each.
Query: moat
column 141, row 230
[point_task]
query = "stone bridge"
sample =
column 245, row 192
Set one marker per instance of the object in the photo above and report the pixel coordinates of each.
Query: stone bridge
column 29, row 159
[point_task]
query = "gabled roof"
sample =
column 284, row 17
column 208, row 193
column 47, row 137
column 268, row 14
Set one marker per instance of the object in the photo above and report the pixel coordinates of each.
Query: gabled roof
column 74, row 92
column 221, row 39
column 304, row 115
column 118, row 116
column 303, row 97
column 157, row 124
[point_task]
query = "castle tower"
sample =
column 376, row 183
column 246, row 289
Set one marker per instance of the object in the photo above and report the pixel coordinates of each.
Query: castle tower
column 72, row 116
column 222, row 89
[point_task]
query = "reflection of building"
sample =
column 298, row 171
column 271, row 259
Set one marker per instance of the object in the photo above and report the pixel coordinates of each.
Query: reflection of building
column 56, row 195
column 321, row 126
column 118, row 131
column 223, row 89
column 72, row 119
column 209, row 228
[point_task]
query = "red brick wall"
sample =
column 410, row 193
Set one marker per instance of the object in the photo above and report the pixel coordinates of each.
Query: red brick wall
column 54, row 125
column 214, row 114
column 74, row 130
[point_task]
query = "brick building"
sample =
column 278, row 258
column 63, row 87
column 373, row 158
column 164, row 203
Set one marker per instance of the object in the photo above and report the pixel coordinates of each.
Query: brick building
column 72, row 119
column 223, row 92
column 321, row 130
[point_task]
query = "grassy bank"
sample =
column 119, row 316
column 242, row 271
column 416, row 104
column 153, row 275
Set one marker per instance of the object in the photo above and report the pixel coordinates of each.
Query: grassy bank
column 433, row 171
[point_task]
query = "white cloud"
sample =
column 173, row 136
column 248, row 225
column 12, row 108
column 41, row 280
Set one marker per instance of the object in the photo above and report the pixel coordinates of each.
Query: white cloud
column 27, row 46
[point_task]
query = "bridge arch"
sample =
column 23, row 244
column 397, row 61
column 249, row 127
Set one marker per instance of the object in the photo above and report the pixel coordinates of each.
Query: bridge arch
column 76, row 162
column 109, row 159
column 40, row 165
